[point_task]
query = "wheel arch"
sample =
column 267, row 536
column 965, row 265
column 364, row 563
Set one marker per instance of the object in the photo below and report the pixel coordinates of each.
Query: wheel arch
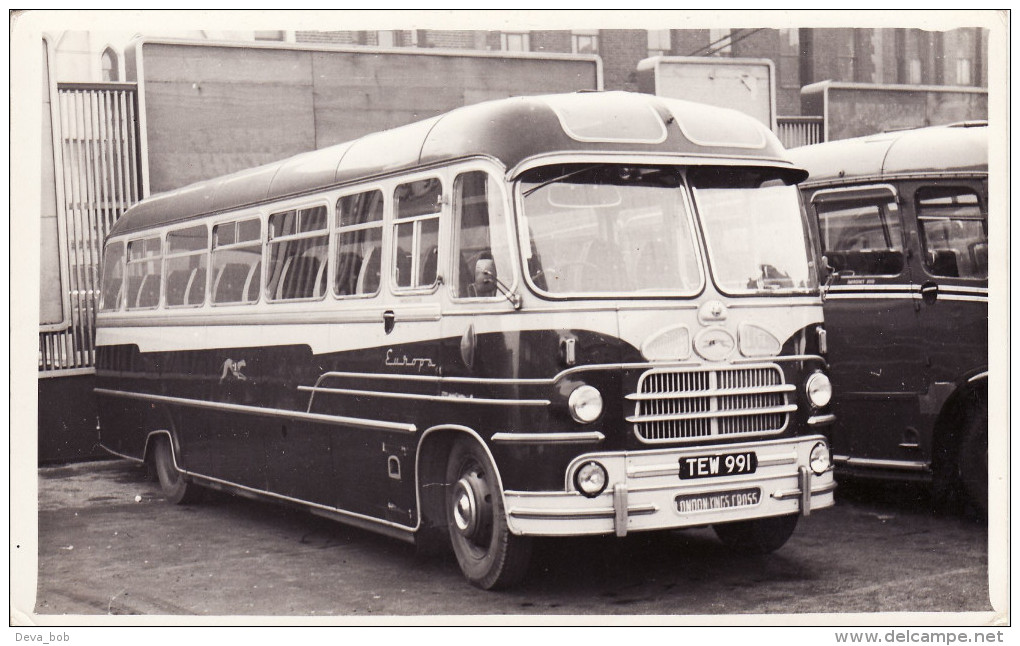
column 947, row 433
column 430, row 475
column 150, row 442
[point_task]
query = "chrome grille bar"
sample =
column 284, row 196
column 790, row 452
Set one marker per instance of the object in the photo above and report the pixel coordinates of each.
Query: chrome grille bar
column 688, row 404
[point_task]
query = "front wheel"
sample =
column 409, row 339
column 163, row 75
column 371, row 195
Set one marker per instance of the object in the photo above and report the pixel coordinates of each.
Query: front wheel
column 176, row 489
column 759, row 536
column 488, row 554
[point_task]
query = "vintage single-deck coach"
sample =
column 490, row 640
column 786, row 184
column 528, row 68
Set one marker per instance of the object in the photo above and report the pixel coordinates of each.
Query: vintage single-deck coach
column 591, row 313
column 903, row 223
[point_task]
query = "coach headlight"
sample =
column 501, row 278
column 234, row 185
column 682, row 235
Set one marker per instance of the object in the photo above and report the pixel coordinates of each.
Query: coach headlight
column 590, row 479
column 818, row 389
column 585, row 404
column 819, row 459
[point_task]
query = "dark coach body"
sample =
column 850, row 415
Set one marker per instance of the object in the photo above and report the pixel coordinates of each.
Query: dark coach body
column 560, row 315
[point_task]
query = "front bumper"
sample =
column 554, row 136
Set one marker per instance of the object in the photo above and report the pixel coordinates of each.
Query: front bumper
column 643, row 487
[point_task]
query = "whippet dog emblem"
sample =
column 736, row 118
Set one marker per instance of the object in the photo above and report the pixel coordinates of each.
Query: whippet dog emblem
column 233, row 368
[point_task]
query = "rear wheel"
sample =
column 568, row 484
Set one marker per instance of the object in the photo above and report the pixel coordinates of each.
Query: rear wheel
column 488, row 554
column 176, row 489
column 972, row 460
column 759, row 536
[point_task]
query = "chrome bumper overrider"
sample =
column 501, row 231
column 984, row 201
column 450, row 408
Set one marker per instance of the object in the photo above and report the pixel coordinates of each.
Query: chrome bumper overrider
column 643, row 487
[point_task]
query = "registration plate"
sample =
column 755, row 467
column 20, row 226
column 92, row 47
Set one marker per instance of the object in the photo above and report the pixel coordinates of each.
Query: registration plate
column 724, row 500
column 719, row 464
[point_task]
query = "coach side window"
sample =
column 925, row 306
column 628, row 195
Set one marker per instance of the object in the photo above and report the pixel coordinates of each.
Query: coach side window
column 236, row 261
column 144, row 269
column 113, row 277
column 482, row 249
column 298, row 246
column 953, row 233
column 417, row 208
column 861, row 234
column 186, row 260
column 359, row 244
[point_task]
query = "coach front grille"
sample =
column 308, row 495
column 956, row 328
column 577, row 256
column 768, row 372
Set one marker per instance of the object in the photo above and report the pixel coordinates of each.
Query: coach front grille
column 686, row 405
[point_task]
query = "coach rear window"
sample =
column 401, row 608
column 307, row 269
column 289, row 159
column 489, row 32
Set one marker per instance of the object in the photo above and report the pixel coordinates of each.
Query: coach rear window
column 144, row 273
column 113, row 277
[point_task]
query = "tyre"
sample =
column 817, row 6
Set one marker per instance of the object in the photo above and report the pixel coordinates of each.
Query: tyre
column 488, row 554
column 972, row 460
column 176, row 489
column 759, row 536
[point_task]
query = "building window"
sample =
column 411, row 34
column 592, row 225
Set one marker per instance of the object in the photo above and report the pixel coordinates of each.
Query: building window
column 791, row 40
column 410, row 38
column 914, row 71
column 720, row 42
column 659, row 43
column 514, row 41
column 585, row 42
column 111, row 69
column 788, row 70
column 963, row 71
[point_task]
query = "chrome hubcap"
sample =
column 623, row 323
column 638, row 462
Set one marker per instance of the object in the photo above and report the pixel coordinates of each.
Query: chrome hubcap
column 465, row 507
column 470, row 507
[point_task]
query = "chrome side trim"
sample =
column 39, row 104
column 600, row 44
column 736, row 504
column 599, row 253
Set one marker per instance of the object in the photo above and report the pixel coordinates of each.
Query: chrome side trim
column 549, row 438
column 980, row 375
column 902, row 295
column 960, row 289
column 450, row 399
column 819, row 420
column 431, row 378
column 871, row 463
column 545, row 381
column 121, row 455
column 313, row 505
column 258, row 410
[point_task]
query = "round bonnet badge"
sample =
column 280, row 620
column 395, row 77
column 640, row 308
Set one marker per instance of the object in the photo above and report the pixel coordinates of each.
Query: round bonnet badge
column 712, row 312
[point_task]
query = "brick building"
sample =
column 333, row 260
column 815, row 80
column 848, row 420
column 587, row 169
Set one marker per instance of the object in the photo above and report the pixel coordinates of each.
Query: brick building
column 801, row 56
